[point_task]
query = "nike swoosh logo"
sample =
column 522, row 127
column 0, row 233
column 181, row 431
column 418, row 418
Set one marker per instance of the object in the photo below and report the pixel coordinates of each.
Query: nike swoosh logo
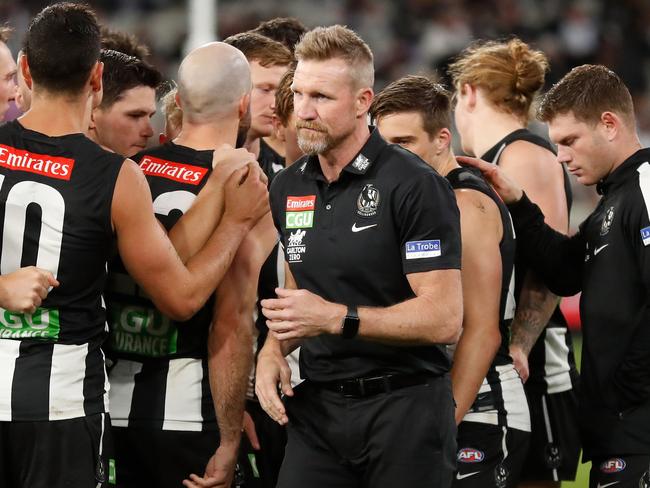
column 363, row 227
column 596, row 251
column 608, row 484
column 466, row 475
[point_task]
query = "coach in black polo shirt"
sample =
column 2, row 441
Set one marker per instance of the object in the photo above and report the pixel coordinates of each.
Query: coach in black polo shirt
column 371, row 238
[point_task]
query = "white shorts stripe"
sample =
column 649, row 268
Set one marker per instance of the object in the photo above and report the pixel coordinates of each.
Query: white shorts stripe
column 556, row 364
column 9, row 352
column 121, row 393
column 183, row 395
column 67, row 381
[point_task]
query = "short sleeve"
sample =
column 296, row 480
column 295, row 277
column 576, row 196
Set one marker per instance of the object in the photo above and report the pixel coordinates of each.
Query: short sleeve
column 428, row 224
column 637, row 225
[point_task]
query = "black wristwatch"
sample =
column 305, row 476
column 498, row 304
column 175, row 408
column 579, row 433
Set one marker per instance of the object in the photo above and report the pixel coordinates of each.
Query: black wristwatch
column 350, row 326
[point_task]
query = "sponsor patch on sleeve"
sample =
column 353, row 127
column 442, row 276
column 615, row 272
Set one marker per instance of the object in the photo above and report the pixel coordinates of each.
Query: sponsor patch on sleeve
column 423, row 249
column 645, row 235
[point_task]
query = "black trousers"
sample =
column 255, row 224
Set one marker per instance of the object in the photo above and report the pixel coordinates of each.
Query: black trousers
column 406, row 437
column 57, row 454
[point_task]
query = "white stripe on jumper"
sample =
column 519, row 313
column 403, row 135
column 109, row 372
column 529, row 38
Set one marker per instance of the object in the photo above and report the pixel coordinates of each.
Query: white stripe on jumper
column 67, row 381
column 9, row 352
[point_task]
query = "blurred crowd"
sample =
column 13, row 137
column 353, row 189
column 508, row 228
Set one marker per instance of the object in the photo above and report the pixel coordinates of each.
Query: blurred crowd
column 412, row 36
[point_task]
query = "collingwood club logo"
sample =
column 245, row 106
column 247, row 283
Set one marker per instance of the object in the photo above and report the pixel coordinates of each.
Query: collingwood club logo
column 368, row 201
column 607, row 221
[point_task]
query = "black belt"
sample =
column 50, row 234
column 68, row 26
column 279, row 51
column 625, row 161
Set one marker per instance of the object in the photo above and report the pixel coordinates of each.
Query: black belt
column 364, row 387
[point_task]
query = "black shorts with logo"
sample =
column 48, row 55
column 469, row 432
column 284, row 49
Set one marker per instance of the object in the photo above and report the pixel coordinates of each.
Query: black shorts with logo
column 57, row 454
column 620, row 472
column 404, row 437
column 489, row 456
column 554, row 451
column 161, row 458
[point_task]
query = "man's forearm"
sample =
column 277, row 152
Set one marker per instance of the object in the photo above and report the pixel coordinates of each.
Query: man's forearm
column 424, row 319
column 556, row 258
column 229, row 364
column 534, row 309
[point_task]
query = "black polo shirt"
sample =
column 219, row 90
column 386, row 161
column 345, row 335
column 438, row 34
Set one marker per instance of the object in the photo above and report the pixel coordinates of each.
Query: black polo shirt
column 354, row 241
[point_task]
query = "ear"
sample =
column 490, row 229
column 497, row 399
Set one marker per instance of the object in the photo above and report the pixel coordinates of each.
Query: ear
column 23, row 66
column 244, row 104
column 442, row 141
column 96, row 77
column 611, row 124
column 363, row 101
column 177, row 100
column 469, row 96
column 278, row 129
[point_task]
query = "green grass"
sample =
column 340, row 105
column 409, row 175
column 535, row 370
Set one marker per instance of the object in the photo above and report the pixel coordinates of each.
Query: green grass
column 582, row 477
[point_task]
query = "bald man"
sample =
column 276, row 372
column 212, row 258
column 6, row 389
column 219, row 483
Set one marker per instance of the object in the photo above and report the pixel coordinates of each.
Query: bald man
column 163, row 413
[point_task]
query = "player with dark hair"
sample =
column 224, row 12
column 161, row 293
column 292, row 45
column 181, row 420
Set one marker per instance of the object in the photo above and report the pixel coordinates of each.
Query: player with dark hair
column 287, row 30
column 66, row 204
column 491, row 408
column 122, row 121
column 116, row 40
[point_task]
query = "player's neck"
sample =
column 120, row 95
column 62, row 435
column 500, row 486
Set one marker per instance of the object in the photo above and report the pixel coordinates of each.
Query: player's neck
column 490, row 127
column 447, row 164
column 207, row 136
column 57, row 115
column 333, row 162
column 276, row 144
column 252, row 144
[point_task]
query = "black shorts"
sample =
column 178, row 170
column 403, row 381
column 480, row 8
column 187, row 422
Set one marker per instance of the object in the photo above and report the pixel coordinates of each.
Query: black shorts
column 554, row 451
column 406, row 437
column 61, row 453
column 489, row 455
column 620, row 472
column 160, row 458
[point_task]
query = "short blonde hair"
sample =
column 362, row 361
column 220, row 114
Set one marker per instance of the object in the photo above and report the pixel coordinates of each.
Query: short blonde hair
column 170, row 109
column 337, row 41
column 511, row 73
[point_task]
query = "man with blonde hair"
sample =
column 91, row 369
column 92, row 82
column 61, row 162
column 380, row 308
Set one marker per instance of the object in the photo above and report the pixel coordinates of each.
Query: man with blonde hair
column 372, row 242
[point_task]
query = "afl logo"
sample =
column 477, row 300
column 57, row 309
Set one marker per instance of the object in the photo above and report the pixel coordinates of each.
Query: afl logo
column 613, row 465
column 469, row 455
column 368, row 201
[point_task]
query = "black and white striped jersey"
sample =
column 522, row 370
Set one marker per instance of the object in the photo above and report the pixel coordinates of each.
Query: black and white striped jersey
column 160, row 377
column 501, row 399
column 55, row 208
column 551, row 361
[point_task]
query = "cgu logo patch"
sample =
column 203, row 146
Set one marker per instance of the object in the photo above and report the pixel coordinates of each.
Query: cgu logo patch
column 614, row 465
column 182, row 173
column 300, row 212
column 470, row 455
column 41, row 164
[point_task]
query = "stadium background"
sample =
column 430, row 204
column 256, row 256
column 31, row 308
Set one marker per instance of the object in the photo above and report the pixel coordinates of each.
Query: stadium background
column 406, row 36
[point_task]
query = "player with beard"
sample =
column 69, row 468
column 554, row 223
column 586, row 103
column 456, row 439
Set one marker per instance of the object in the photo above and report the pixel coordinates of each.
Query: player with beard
column 161, row 382
column 372, row 290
